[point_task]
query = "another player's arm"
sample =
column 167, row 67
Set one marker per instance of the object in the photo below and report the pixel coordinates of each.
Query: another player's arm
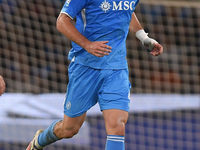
column 2, row 85
column 151, row 44
column 65, row 26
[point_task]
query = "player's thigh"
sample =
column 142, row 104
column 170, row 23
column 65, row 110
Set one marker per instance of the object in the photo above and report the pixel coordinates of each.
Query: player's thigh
column 115, row 91
column 82, row 90
column 115, row 120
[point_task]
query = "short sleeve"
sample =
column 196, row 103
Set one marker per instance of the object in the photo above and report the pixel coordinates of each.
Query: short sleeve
column 137, row 2
column 73, row 7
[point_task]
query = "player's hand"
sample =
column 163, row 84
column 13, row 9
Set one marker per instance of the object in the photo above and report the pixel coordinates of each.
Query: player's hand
column 156, row 50
column 151, row 44
column 2, row 86
column 98, row 48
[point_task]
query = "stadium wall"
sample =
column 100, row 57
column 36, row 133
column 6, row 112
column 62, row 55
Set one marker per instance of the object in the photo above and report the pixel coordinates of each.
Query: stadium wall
column 156, row 121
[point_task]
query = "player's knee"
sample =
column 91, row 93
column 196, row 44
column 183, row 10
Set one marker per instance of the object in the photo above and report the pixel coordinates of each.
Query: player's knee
column 74, row 131
column 117, row 128
column 70, row 132
column 120, row 128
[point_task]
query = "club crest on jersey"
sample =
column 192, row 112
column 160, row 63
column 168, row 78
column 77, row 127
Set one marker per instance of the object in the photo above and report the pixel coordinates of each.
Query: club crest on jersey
column 121, row 5
column 68, row 105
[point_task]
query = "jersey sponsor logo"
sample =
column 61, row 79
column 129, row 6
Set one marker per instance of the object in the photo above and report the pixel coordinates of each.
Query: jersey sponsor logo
column 105, row 6
column 121, row 5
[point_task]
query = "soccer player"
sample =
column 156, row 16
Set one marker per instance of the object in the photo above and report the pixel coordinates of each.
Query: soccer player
column 2, row 85
column 98, row 72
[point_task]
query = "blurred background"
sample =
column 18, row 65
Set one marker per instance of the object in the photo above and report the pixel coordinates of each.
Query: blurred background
column 165, row 92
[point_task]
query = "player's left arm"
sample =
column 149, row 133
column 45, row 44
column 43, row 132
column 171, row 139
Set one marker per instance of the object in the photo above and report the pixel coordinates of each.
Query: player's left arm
column 151, row 44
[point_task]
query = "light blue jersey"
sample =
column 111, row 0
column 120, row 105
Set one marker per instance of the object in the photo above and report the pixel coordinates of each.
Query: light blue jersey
column 101, row 20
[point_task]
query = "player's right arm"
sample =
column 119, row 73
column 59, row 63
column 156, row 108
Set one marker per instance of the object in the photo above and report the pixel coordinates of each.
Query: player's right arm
column 2, row 85
column 65, row 26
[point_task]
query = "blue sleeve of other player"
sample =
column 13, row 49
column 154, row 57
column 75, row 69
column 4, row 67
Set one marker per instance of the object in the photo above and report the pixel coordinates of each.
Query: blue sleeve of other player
column 73, row 7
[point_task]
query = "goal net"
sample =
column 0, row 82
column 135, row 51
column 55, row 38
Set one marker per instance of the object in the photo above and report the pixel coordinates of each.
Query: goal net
column 165, row 89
